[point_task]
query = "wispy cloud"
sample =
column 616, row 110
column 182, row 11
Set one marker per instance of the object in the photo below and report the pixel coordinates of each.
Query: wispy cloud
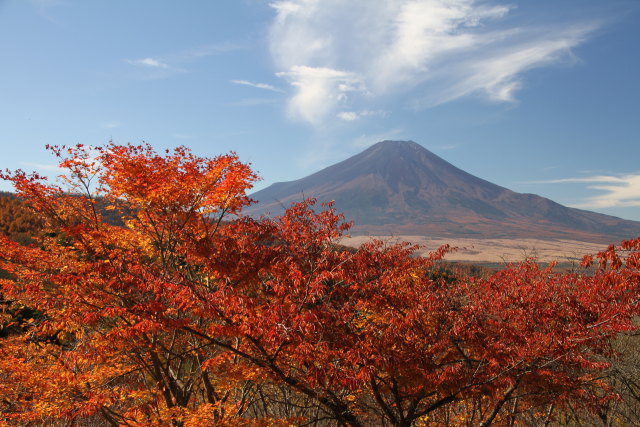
column 430, row 51
column 498, row 76
column 147, row 62
column 350, row 116
column 150, row 68
column 616, row 191
column 319, row 90
column 264, row 86
column 169, row 64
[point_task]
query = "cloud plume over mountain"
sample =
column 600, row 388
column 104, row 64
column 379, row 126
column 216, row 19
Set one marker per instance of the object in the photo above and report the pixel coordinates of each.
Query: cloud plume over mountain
column 338, row 57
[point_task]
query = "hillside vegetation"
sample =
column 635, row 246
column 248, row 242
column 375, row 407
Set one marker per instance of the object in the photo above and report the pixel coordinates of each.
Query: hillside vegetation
column 17, row 221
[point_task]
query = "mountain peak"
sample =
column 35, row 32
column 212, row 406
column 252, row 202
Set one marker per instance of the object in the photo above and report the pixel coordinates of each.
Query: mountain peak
column 397, row 147
column 400, row 187
column 397, row 143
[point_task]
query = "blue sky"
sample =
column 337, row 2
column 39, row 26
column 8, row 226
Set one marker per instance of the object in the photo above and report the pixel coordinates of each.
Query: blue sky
column 540, row 97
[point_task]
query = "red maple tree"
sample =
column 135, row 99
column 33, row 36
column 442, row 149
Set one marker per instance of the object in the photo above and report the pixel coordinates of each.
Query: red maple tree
column 185, row 312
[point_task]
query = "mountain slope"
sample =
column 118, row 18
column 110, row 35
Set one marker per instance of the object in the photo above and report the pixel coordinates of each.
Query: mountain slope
column 399, row 187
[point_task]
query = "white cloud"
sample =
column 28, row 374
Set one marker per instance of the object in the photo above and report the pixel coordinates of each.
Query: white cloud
column 147, row 62
column 319, row 90
column 348, row 116
column 285, row 8
column 425, row 32
column 257, row 85
column 618, row 191
column 429, row 51
column 498, row 76
column 172, row 63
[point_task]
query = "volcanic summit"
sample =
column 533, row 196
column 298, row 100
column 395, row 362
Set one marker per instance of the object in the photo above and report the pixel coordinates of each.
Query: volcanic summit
column 400, row 187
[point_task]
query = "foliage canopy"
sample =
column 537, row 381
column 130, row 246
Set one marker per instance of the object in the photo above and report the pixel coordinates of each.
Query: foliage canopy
column 185, row 312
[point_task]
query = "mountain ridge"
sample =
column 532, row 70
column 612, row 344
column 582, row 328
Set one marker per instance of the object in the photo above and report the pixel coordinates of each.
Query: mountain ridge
column 400, row 187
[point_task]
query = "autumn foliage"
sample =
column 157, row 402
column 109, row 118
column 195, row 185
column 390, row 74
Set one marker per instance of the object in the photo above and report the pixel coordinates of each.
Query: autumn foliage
column 187, row 313
column 17, row 221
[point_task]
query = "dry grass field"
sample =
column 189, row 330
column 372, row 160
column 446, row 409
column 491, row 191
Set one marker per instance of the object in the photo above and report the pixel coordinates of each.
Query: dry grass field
column 496, row 250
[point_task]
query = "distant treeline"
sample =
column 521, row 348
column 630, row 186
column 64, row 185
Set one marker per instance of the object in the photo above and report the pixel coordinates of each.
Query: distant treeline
column 17, row 220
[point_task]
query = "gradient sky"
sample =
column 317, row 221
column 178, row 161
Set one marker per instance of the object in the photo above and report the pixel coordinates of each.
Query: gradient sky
column 537, row 96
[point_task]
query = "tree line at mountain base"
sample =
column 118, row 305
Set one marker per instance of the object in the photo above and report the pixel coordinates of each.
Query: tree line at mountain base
column 184, row 312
